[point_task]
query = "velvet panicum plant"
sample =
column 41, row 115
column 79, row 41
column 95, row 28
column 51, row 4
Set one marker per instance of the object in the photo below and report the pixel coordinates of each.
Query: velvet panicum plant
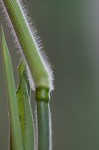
column 34, row 74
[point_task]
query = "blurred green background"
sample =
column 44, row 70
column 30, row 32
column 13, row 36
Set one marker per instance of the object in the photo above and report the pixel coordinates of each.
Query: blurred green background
column 70, row 32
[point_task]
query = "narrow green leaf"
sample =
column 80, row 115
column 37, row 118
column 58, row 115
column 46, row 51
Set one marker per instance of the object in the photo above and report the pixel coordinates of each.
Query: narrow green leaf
column 25, row 113
column 16, row 134
column 23, row 75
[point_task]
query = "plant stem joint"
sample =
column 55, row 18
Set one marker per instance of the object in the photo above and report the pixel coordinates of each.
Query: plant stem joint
column 42, row 94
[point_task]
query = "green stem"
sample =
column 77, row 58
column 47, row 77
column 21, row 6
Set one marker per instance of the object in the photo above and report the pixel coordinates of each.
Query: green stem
column 44, row 126
column 44, row 120
column 28, row 43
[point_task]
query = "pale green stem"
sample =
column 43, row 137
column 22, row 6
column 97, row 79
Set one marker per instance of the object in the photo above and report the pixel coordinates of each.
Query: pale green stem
column 29, row 46
column 44, row 119
column 44, row 126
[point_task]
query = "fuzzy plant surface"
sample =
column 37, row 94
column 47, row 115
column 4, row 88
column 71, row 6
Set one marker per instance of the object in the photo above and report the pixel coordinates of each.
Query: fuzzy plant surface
column 35, row 68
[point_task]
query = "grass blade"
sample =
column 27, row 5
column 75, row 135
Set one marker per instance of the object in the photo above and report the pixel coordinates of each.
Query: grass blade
column 16, row 134
column 25, row 113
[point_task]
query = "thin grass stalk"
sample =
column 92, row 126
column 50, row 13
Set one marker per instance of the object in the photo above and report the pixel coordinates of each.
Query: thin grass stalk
column 44, row 126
